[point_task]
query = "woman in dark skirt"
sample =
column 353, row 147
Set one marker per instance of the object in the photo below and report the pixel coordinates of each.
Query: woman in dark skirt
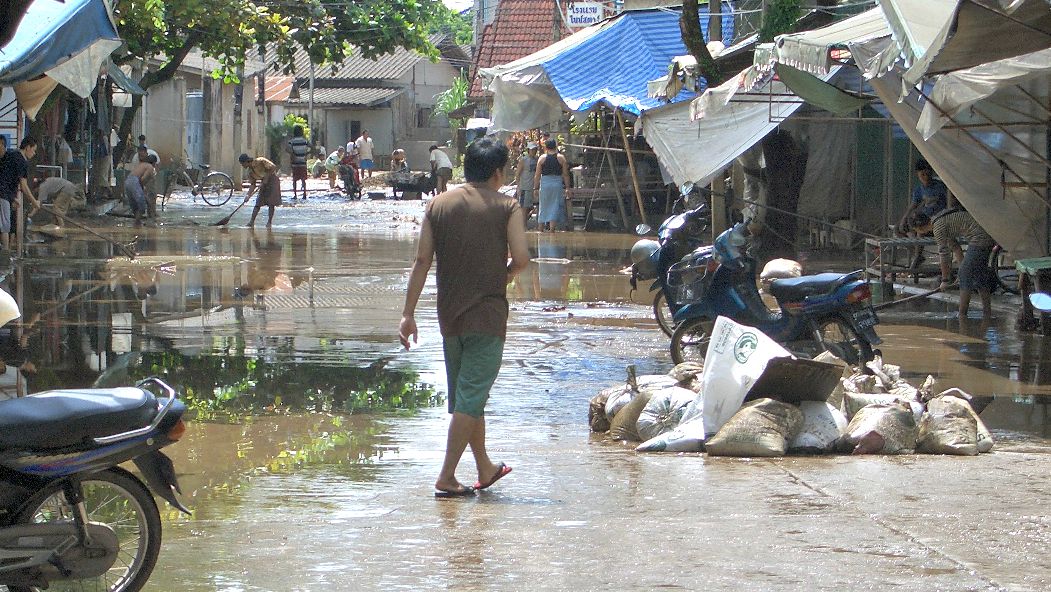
column 262, row 172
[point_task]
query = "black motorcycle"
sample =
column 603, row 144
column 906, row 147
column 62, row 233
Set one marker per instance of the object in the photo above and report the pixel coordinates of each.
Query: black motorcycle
column 68, row 512
column 677, row 237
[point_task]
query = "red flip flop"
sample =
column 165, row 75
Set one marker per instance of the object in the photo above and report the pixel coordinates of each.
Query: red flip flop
column 501, row 471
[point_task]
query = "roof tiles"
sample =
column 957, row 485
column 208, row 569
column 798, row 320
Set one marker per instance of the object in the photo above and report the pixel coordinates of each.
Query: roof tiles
column 520, row 28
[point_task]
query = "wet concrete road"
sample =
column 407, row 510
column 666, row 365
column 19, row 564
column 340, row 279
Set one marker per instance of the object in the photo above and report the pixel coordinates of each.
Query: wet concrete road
column 324, row 501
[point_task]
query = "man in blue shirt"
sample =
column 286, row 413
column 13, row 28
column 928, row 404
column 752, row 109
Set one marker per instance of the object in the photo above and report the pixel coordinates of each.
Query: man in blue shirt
column 929, row 197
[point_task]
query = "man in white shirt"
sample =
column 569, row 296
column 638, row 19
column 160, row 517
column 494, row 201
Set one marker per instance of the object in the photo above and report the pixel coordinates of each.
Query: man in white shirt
column 364, row 146
column 441, row 168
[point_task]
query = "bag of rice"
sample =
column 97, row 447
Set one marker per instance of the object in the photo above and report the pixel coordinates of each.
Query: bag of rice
column 948, row 428
column 664, row 411
column 881, row 429
column 823, row 425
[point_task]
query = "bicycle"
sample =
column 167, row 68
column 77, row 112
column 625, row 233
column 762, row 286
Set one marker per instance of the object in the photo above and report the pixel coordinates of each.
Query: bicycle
column 216, row 188
column 1006, row 274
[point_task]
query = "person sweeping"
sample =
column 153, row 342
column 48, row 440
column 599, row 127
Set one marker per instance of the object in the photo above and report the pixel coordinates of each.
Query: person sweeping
column 263, row 173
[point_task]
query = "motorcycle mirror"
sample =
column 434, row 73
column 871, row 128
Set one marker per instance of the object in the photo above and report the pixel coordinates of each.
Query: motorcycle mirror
column 1041, row 301
column 643, row 229
column 686, row 188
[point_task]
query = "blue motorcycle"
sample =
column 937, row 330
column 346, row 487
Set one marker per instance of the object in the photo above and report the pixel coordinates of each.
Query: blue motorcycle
column 68, row 513
column 677, row 237
column 826, row 312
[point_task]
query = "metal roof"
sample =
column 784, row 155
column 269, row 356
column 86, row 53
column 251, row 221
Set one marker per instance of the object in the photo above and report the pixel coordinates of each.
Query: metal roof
column 358, row 97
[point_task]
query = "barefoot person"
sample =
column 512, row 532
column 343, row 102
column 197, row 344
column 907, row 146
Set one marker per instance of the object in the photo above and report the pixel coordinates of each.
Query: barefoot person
column 470, row 230
column 136, row 183
column 264, row 173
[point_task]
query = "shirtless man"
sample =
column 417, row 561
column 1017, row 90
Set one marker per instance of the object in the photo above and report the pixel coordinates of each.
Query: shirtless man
column 134, row 185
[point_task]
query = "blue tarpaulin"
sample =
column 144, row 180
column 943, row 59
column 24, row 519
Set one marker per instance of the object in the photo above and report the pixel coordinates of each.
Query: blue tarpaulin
column 54, row 33
column 614, row 66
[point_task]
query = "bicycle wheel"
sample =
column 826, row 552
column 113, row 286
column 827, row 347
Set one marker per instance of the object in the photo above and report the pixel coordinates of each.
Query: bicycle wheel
column 217, row 188
column 1006, row 275
column 662, row 312
column 689, row 341
column 115, row 498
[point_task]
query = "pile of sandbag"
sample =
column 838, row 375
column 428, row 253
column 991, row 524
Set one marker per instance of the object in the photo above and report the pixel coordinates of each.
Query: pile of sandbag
column 752, row 398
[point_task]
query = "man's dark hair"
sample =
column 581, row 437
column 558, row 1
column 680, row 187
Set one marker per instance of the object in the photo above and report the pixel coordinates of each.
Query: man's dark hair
column 483, row 158
column 433, row 147
column 151, row 159
column 551, row 144
column 297, row 131
column 27, row 142
column 243, row 158
column 142, row 139
column 923, row 165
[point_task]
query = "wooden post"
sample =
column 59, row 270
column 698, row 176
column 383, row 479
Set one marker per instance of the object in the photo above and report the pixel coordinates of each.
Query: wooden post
column 631, row 166
column 616, row 188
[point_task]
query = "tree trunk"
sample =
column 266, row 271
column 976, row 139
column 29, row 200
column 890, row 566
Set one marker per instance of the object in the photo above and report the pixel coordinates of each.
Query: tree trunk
column 693, row 38
column 149, row 79
column 715, row 20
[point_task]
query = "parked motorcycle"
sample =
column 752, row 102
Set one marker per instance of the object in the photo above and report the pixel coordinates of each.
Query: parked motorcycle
column 69, row 515
column 677, row 237
column 829, row 311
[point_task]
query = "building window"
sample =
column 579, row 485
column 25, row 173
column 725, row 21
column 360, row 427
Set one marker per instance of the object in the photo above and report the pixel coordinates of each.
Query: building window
column 423, row 116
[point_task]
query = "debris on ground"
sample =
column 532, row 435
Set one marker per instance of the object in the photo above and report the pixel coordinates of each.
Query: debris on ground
column 752, row 398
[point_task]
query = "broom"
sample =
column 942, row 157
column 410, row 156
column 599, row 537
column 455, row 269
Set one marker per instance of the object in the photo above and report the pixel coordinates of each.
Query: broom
column 226, row 220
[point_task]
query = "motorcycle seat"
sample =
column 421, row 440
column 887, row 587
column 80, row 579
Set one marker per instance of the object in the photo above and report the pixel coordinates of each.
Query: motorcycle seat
column 66, row 418
column 795, row 289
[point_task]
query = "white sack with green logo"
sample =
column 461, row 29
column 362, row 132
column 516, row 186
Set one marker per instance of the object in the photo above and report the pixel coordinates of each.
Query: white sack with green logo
column 737, row 355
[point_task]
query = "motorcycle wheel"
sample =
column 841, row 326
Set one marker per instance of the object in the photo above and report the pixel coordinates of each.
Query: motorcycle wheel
column 838, row 337
column 116, row 498
column 689, row 341
column 662, row 312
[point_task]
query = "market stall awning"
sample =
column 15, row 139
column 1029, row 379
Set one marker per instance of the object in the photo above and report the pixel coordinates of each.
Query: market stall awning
column 811, row 51
column 610, row 63
column 65, row 41
column 939, row 36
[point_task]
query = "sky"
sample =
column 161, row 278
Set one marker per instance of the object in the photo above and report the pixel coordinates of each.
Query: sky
column 458, row 5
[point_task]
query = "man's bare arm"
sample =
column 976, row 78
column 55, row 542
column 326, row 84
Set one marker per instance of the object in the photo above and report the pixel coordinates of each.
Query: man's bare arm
column 517, row 245
column 417, row 278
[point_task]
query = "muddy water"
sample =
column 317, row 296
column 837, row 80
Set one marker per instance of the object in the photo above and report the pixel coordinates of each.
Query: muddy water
column 310, row 463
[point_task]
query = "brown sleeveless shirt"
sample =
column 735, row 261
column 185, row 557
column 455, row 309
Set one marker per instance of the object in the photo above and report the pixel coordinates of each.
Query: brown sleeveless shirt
column 469, row 225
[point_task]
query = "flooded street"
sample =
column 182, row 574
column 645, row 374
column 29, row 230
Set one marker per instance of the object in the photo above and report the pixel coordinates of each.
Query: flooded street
column 317, row 438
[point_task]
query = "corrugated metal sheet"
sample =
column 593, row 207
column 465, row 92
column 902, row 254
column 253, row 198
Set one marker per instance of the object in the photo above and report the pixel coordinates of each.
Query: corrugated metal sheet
column 521, row 27
column 364, row 97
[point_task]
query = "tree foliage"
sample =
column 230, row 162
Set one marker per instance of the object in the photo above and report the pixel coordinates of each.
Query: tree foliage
column 164, row 32
column 457, row 24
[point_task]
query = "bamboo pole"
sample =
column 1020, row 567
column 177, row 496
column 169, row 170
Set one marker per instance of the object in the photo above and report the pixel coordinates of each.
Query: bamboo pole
column 631, row 165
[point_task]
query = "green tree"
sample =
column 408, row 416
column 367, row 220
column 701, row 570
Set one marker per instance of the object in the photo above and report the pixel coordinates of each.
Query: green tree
column 455, row 98
column 227, row 30
column 450, row 22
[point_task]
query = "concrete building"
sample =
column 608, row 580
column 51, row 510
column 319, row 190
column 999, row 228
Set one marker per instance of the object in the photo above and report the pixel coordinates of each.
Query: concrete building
column 392, row 96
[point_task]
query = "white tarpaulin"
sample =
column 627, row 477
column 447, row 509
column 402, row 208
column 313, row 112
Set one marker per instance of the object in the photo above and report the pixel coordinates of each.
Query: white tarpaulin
column 697, row 140
column 938, row 36
column 810, row 50
column 1015, row 215
column 955, row 92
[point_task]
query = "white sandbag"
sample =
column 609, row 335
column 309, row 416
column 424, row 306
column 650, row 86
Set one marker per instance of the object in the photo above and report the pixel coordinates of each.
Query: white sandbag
column 618, row 396
column 688, row 436
column 854, row 402
column 655, row 381
column 737, row 355
column 823, row 425
column 685, row 372
column 623, row 426
column 926, row 390
column 881, row 429
column 780, row 269
column 664, row 411
column 985, row 437
column 863, row 383
column 948, row 427
column 761, row 428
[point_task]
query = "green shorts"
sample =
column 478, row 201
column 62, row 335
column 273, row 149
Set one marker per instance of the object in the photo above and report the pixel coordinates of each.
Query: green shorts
column 472, row 362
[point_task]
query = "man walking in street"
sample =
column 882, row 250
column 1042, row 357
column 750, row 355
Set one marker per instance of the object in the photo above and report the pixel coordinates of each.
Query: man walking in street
column 298, row 148
column 364, row 146
column 14, row 175
column 470, row 230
